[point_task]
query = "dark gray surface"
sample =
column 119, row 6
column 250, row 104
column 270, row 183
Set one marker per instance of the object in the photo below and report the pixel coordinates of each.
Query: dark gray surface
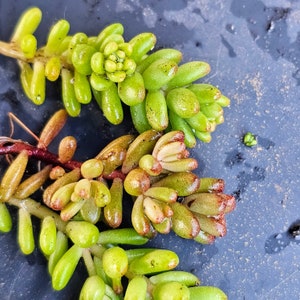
column 254, row 51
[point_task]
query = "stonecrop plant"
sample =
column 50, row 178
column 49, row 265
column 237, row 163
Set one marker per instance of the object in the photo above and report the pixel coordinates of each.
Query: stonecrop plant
column 154, row 169
column 80, row 204
column 161, row 92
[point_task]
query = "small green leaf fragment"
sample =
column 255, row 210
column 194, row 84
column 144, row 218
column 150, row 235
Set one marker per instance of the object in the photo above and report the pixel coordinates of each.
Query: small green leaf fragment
column 249, row 139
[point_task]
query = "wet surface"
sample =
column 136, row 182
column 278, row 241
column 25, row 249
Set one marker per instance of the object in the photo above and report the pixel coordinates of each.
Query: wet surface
column 253, row 48
column 279, row 241
column 269, row 28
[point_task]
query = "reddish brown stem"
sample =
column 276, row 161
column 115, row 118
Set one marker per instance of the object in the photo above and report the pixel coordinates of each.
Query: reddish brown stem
column 115, row 174
column 37, row 153
column 16, row 146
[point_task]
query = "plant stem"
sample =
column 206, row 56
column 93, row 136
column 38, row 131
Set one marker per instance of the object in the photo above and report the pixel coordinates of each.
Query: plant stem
column 16, row 146
column 38, row 210
column 12, row 50
column 98, row 250
column 11, row 146
column 88, row 261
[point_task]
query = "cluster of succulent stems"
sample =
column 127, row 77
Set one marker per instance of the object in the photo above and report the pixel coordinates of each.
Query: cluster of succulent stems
column 78, row 196
column 161, row 91
column 170, row 110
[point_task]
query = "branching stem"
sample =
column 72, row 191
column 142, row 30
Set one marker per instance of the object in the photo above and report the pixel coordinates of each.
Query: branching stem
column 16, row 146
column 38, row 210
column 12, row 146
column 13, row 51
